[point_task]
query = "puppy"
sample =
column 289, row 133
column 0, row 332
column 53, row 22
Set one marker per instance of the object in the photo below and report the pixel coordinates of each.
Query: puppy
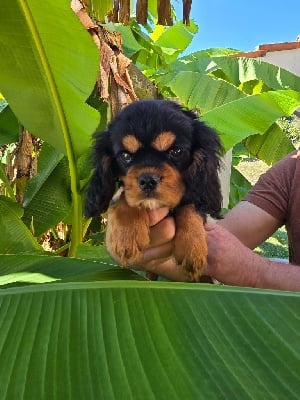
column 162, row 156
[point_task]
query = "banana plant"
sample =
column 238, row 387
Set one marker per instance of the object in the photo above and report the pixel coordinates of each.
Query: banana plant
column 45, row 68
column 218, row 86
column 79, row 326
column 237, row 84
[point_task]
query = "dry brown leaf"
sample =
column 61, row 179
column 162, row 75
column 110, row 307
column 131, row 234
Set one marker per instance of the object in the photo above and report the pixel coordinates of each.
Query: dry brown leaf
column 113, row 83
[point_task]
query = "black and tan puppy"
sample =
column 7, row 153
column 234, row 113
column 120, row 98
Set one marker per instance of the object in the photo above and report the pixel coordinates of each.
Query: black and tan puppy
column 162, row 156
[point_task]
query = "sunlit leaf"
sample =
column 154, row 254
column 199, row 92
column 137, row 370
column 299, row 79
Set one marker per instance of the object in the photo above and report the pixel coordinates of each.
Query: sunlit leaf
column 241, row 70
column 99, row 9
column 271, row 146
column 47, row 77
column 250, row 115
column 174, row 39
column 143, row 340
column 26, row 269
column 200, row 91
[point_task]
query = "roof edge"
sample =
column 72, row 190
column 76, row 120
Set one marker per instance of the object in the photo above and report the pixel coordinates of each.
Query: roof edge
column 263, row 49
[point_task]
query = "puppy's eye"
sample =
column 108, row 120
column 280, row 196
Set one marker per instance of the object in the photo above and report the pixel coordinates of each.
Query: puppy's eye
column 125, row 157
column 174, row 152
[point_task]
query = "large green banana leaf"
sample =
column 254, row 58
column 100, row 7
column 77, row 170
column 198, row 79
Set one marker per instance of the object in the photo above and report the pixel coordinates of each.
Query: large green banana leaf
column 237, row 70
column 49, row 67
column 240, row 69
column 232, row 113
column 44, row 49
column 144, row 340
column 27, row 269
column 199, row 90
column 88, row 335
column 47, row 199
column 250, row 115
column 270, row 147
column 209, row 81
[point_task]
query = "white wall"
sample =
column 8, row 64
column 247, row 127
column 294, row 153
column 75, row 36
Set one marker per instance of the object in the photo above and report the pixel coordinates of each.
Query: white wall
column 287, row 59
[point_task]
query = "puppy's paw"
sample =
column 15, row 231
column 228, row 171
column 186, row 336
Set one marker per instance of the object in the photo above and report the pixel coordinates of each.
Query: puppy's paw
column 191, row 254
column 190, row 247
column 126, row 244
column 127, row 233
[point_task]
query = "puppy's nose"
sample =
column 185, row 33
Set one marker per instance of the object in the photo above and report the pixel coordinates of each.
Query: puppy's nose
column 148, row 182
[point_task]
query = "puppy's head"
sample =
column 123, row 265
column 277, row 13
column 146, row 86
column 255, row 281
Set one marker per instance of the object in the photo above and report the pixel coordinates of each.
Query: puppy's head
column 163, row 156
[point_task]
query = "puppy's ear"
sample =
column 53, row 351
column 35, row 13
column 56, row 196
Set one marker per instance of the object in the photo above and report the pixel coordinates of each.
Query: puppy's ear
column 202, row 177
column 102, row 184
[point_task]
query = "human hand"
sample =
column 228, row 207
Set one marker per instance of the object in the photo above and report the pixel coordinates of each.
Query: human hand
column 157, row 257
column 229, row 260
column 226, row 254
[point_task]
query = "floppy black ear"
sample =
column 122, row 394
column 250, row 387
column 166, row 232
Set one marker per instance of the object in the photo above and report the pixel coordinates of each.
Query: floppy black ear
column 202, row 178
column 102, row 184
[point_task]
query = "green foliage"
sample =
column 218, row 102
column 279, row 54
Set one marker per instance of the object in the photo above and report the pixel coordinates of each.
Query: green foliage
column 52, row 101
column 155, row 49
column 239, row 187
column 196, row 81
column 114, row 340
column 243, row 99
column 16, row 238
column 275, row 246
column 291, row 127
column 8, row 124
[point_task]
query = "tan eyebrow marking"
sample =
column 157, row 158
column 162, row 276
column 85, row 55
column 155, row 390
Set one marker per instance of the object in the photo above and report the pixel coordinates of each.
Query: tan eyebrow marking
column 163, row 141
column 131, row 143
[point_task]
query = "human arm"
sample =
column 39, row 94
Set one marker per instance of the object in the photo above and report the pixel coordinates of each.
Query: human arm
column 231, row 262
column 247, row 222
column 250, row 224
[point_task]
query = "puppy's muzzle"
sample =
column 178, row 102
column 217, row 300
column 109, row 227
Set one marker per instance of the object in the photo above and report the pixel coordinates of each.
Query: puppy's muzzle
column 148, row 182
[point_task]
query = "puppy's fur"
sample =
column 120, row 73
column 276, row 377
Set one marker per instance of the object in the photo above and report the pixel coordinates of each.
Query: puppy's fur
column 162, row 156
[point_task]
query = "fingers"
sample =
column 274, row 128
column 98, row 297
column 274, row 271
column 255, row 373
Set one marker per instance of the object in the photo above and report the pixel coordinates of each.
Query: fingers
column 162, row 232
column 161, row 236
column 158, row 252
column 210, row 226
column 169, row 269
column 157, row 215
column 157, row 257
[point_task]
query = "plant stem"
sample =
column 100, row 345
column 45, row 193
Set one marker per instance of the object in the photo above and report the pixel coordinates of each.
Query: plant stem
column 76, row 232
column 77, row 217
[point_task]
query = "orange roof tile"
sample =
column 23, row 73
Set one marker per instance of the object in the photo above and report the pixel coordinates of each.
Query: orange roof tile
column 263, row 49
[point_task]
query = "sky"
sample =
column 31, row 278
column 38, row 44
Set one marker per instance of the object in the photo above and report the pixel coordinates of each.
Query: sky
column 242, row 24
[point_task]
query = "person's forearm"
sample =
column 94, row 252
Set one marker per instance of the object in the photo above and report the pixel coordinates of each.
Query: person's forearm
column 232, row 263
column 168, row 269
column 259, row 272
column 276, row 275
